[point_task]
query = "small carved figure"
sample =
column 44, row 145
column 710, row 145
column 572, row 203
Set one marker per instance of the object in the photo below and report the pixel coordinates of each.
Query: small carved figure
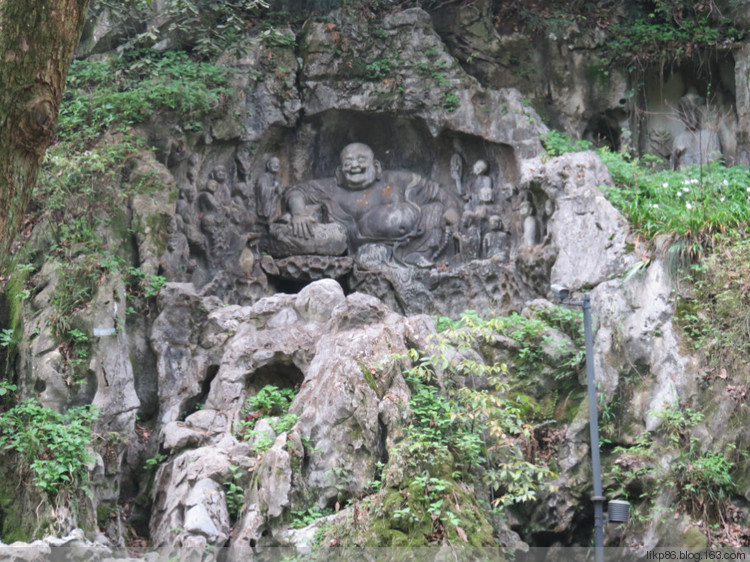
column 268, row 193
column 213, row 205
column 496, row 242
column 698, row 144
column 530, row 224
column 474, row 218
column 480, row 181
column 457, row 170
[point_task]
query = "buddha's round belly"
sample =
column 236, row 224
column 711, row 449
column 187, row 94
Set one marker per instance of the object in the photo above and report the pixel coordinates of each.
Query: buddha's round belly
column 389, row 221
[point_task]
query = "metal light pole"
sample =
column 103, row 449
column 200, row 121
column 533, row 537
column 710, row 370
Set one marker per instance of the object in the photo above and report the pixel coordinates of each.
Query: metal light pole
column 619, row 508
column 597, row 498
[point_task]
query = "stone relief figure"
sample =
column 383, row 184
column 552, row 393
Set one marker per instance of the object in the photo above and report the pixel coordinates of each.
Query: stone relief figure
column 457, row 170
column 474, row 222
column 530, row 223
column 660, row 141
column 479, row 182
column 213, row 205
column 268, row 191
column 496, row 242
column 699, row 143
column 363, row 204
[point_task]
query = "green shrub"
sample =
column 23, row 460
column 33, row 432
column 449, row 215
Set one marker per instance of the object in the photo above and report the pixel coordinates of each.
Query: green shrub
column 556, row 143
column 269, row 401
column 691, row 205
column 53, row 446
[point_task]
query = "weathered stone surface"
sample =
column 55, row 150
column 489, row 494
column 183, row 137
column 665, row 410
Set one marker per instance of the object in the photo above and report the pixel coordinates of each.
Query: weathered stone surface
column 588, row 233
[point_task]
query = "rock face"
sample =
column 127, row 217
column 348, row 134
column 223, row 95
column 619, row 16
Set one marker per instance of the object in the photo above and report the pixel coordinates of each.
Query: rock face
column 367, row 172
column 339, row 351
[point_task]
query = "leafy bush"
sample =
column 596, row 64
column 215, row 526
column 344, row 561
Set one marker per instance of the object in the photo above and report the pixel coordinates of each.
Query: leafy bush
column 692, row 204
column 125, row 91
column 713, row 316
column 53, row 446
column 557, row 143
column 269, row 401
column 482, row 429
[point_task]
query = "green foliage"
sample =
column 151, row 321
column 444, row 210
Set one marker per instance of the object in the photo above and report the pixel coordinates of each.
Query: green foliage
column 378, row 69
column 529, row 333
column 557, row 143
column 145, row 284
column 6, row 388
column 269, row 401
column 125, row 91
column 209, row 25
column 304, row 517
column 53, row 446
column 713, row 316
column 692, row 204
column 451, row 101
column 482, row 429
column 648, row 32
column 431, row 497
column 669, row 28
column 235, row 493
column 7, row 339
column 701, row 478
column 154, row 462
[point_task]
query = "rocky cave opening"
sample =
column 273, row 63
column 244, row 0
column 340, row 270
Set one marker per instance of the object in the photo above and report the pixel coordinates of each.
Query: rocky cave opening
column 193, row 404
column 282, row 373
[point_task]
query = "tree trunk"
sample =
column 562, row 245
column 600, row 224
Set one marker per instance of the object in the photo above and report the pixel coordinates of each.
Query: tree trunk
column 37, row 38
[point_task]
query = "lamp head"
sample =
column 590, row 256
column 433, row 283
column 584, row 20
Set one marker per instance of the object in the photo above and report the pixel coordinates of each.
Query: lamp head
column 560, row 292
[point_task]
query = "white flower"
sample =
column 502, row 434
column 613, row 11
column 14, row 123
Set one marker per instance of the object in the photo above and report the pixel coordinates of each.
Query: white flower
column 685, row 189
column 679, row 194
column 722, row 199
column 748, row 189
column 655, row 205
column 725, row 183
column 693, row 181
column 688, row 206
column 665, row 184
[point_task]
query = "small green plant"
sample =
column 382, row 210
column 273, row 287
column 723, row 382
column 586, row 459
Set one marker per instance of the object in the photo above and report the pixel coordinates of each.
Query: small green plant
column 154, row 462
column 7, row 339
column 7, row 388
column 152, row 284
column 54, row 447
column 451, row 101
column 235, row 493
column 304, row 517
column 557, row 143
column 378, row 69
column 269, row 401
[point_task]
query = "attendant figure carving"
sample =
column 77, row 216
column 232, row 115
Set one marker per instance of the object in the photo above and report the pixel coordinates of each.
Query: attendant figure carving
column 530, row 223
column 213, row 205
column 479, row 182
column 475, row 222
column 698, row 144
column 268, row 193
column 496, row 242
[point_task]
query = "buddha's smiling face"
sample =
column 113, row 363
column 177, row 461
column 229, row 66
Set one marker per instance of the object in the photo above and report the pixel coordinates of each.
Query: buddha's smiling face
column 358, row 166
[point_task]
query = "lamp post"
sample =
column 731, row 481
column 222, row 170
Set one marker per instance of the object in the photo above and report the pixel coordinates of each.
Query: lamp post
column 562, row 293
column 597, row 498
